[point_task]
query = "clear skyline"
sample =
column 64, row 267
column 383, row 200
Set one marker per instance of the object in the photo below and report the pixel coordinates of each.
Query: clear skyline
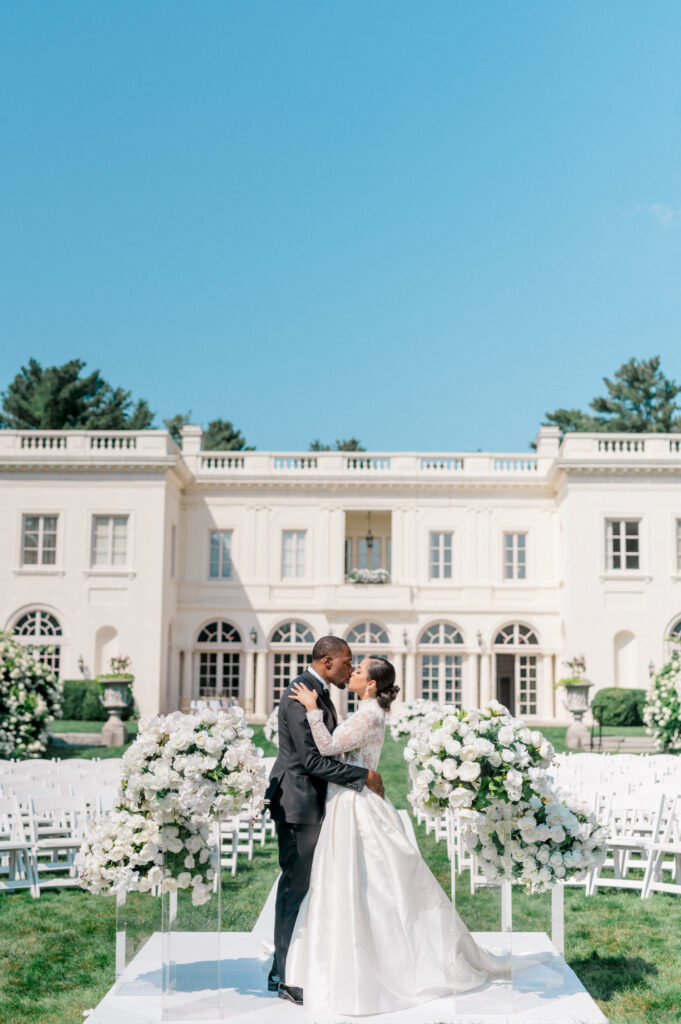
column 421, row 224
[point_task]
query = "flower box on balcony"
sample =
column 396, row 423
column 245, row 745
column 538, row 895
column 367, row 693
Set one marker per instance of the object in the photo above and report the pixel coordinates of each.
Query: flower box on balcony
column 368, row 576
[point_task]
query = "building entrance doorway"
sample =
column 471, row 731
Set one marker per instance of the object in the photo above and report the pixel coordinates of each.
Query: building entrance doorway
column 506, row 681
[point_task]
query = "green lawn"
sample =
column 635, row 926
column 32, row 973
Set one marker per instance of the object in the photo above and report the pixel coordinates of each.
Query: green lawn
column 67, row 725
column 57, row 953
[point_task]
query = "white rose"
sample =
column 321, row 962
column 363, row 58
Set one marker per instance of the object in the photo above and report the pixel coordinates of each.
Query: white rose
column 449, row 769
column 460, row 797
column 495, row 759
column 483, row 746
column 557, row 834
column 506, row 735
column 507, row 755
column 469, row 771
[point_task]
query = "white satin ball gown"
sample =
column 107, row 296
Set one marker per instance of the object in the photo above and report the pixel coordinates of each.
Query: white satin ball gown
column 375, row 932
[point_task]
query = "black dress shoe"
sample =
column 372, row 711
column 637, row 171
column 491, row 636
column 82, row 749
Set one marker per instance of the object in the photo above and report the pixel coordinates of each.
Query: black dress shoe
column 294, row 995
column 273, row 981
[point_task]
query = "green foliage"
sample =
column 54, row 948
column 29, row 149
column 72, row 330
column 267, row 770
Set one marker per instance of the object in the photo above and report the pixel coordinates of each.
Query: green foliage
column 82, row 703
column 222, row 436
column 175, row 424
column 612, row 706
column 640, row 399
column 60, row 398
column 662, row 713
column 350, row 445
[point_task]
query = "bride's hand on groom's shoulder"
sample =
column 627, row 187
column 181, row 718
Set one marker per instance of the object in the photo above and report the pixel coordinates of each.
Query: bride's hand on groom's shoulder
column 304, row 695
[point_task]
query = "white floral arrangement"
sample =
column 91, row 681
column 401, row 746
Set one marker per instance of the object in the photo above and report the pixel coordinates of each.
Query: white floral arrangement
column 408, row 717
column 271, row 727
column 194, row 765
column 128, row 852
column 30, row 698
column 181, row 771
column 662, row 711
column 547, row 839
column 368, row 576
column 470, row 758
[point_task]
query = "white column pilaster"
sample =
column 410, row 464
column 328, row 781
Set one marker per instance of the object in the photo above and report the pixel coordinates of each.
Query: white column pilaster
column 249, row 694
column 485, row 678
column 410, row 682
column 545, row 687
column 261, row 709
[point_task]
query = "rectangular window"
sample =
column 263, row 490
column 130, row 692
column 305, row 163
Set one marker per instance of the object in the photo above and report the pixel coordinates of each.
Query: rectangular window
column 369, row 557
column 293, row 554
column 515, row 556
column 219, row 673
column 621, row 545
column 286, row 668
column 220, row 567
column 39, row 540
column 109, row 541
column 441, row 678
column 527, row 684
column 441, row 556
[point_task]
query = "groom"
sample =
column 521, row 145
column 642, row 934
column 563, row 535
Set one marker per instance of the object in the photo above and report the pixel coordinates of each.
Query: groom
column 297, row 794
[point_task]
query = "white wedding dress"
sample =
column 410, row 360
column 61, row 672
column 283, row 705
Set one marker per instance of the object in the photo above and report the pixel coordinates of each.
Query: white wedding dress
column 376, row 932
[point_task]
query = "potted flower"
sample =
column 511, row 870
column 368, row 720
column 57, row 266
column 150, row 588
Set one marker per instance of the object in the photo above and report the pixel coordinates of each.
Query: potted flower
column 116, row 695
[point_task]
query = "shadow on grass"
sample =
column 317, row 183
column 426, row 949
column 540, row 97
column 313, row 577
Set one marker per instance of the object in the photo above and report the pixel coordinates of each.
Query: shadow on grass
column 604, row 976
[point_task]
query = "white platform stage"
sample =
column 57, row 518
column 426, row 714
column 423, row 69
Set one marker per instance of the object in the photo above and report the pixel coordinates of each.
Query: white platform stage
column 547, row 994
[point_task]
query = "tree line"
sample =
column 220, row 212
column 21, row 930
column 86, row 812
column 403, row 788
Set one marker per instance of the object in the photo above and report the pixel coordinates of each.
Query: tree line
column 639, row 398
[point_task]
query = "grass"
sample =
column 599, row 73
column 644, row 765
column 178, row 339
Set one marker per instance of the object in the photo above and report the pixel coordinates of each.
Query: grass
column 57, row 953
column 68, row 725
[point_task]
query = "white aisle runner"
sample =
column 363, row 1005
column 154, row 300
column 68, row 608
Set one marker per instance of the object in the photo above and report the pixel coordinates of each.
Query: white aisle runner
column 543, row 995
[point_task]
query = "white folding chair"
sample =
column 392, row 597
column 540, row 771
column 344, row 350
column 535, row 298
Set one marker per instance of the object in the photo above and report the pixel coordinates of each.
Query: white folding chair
column 632, row 821
column 57, row 828
column 17, row 868
column 665, row 852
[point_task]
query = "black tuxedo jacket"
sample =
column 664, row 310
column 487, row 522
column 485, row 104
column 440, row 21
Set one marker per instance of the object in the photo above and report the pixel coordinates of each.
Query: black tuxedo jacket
column 299, row 778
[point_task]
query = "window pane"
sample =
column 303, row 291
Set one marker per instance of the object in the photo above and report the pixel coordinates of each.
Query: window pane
column 120, row 533
column 214, row 569
column 287, row 555
column 100, row 541
column 226, row 570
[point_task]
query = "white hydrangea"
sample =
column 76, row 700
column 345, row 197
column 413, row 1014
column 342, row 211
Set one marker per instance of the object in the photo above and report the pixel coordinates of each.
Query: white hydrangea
column 662, row 711
column 30, row 698
column 408, row 718
column 271, row 727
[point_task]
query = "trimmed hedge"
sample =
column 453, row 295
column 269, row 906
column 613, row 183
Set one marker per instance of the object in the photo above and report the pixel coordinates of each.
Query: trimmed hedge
column 82, row 704
column 613, row 706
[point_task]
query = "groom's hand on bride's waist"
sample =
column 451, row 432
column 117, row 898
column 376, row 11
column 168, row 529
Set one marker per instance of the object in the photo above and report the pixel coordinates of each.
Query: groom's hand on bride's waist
column 375, row 784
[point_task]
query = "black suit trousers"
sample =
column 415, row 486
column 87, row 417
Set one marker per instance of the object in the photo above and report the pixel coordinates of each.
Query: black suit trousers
column 296, row 851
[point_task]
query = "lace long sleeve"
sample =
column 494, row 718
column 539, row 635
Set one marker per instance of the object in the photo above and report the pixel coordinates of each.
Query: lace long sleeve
column 356, row 731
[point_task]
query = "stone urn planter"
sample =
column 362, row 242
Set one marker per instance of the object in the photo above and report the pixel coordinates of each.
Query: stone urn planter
column 115, row 697
column 576, row 701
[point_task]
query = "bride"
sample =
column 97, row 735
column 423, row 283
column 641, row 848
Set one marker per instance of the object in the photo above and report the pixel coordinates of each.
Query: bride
column 375, row 932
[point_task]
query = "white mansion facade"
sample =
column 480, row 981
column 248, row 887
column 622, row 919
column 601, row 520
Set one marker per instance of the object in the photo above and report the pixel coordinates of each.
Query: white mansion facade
column 215, row 571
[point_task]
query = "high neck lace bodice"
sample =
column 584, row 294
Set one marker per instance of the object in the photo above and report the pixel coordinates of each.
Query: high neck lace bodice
column 359, row 737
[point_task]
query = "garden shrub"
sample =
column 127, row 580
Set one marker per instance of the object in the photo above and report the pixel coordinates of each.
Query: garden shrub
column 613, row 706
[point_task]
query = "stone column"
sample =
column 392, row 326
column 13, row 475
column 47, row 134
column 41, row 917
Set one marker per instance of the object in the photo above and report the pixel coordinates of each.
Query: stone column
column 545, row 687
column 399, row 676
column 410, row 682
column 261, row 685
column 249, row 694
column 186, row 681
column 485, row 678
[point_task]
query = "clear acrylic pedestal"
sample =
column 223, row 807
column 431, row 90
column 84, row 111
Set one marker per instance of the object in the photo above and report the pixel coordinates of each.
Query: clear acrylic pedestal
column 539, row 967
column 485, row 908
column 191, row 952
column 138, row 944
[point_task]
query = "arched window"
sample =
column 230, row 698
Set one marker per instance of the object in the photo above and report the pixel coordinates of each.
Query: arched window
column 219, row 663
column 367, row 633
column 42, row 631
column 290, row 663
column 219, row 633
column 361, row 636
column 672, row 634
column 441, row 633
column 441, row 671
column 515, row 635
column 293, row 633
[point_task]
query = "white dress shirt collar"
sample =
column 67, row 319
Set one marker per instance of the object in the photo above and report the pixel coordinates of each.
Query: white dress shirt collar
column 317, row 676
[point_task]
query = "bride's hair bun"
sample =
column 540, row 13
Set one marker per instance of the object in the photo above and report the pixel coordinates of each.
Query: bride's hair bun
column 382, row 672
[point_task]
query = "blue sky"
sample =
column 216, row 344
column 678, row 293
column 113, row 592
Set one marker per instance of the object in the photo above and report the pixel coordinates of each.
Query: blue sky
column 423, row 224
